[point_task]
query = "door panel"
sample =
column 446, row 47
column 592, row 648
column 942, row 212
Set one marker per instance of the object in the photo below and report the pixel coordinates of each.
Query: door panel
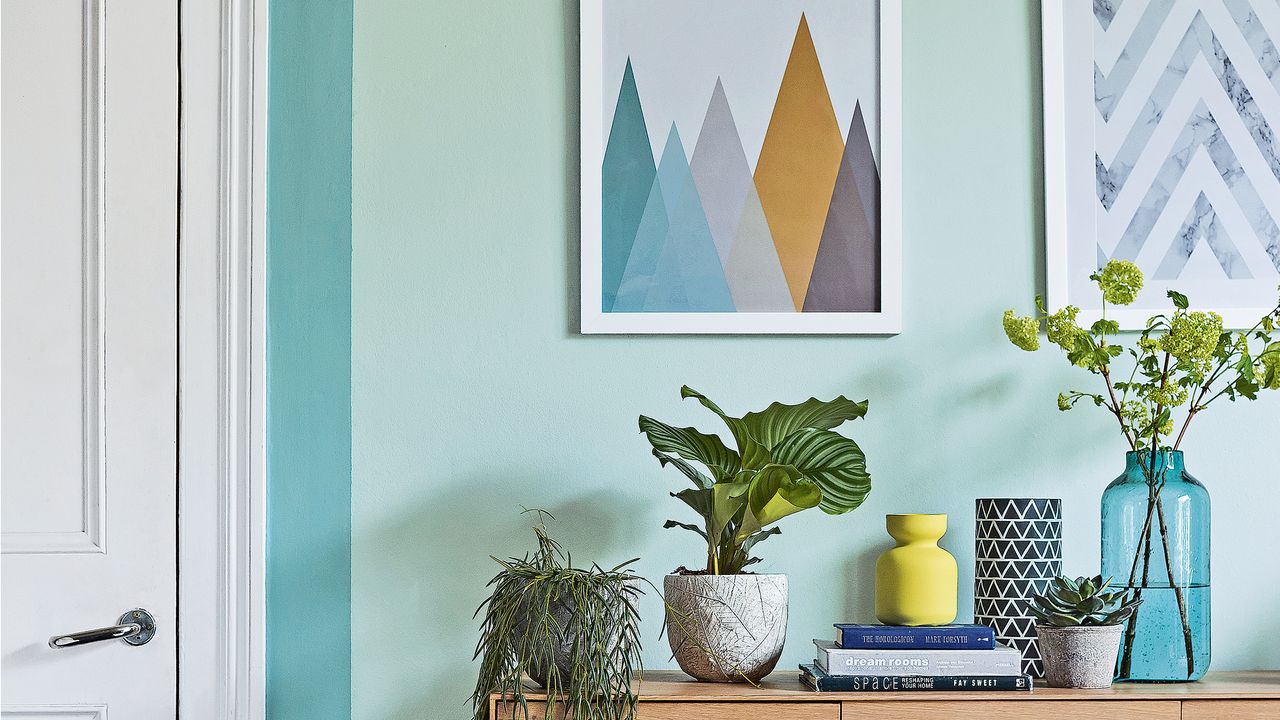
column 88, row 353
column 52, row 358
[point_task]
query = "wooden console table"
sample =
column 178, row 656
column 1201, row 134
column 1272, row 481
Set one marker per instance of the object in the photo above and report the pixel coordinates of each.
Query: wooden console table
column 666, row 695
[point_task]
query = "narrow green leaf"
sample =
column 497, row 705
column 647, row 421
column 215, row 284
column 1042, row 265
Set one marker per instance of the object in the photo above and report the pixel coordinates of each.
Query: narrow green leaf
column 755, row 539
column 691, row 444
column 691, row 528
column 688, row 470
column 753, row 455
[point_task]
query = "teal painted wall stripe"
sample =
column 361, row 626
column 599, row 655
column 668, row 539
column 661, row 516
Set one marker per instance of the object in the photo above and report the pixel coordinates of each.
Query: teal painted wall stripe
column 309, row 361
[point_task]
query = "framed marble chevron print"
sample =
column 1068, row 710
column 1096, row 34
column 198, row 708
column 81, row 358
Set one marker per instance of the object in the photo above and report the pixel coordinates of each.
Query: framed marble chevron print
column 1160, row 122
column 740, row 166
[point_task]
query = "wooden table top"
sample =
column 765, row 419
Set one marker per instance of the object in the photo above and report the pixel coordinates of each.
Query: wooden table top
column 672, row 685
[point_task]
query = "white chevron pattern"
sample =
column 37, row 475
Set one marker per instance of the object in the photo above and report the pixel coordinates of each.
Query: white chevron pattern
column 1187, row 96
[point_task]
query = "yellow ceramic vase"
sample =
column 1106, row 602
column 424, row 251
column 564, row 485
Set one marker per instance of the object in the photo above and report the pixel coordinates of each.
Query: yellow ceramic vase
column 916, row 581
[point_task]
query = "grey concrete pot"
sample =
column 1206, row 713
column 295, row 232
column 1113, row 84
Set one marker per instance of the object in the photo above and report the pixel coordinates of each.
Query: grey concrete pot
column 726, row 628
column 1079, row 657
column 564, row 610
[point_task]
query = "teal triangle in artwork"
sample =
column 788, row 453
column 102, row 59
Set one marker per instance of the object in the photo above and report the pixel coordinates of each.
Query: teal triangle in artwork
column 689, row 276
column 627, row 176
column 642, row 263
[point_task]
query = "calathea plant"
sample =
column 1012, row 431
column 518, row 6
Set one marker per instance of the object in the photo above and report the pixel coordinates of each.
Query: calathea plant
column 1083, row 601
column 788, row 459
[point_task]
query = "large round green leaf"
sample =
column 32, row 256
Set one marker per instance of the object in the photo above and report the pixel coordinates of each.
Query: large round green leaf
column 831, row 460
column 778, row 422
column 776, row 492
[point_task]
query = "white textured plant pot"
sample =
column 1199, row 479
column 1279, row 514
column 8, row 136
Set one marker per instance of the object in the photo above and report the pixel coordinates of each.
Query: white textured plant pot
column 1079, row 657
column 726, row 628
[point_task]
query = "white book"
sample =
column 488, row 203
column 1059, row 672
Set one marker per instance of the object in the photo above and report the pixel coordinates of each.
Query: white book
column 1001, row 660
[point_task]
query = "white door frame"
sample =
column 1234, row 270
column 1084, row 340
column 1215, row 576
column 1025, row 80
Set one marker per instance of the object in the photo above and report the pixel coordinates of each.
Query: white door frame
column 221, row 453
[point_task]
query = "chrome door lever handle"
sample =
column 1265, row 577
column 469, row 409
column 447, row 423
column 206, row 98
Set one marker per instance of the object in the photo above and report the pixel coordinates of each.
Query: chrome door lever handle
column 136, row 627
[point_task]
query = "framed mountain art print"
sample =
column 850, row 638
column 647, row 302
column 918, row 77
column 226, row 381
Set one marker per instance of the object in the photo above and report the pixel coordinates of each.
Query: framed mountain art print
column 741, row 166
column 1160, row 121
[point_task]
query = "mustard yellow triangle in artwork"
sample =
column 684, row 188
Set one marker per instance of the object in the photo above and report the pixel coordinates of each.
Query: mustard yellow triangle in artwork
column 798, row 163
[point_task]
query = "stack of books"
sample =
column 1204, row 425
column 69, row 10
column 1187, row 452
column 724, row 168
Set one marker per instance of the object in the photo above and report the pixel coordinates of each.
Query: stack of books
column 886, row 658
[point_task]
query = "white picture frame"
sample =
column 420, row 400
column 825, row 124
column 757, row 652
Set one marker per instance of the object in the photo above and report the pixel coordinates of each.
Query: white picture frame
column 887, row 321
column 1071, row 47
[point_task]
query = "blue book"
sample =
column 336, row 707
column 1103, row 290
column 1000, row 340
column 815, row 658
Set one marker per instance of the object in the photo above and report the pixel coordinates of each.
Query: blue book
column 932, row 637
column 816, row 679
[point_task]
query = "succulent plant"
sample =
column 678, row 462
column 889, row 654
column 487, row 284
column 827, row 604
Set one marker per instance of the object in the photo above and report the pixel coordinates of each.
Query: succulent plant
column 1083, row 601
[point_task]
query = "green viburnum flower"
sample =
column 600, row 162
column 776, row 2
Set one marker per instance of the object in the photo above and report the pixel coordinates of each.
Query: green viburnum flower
column 1148, row 344
column 1022, row 331
column 1120, row 282
column 1170, row 396
column 1064, row 403
column 1062, row 328
column 1268, row 370
column 1192, row 336
column 1135, row 413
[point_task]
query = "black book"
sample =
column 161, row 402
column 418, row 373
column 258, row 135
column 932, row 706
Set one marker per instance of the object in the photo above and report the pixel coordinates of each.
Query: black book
column 814, row 678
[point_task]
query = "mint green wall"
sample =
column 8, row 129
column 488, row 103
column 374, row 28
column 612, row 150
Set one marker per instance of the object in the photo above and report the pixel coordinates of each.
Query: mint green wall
column 472, row 393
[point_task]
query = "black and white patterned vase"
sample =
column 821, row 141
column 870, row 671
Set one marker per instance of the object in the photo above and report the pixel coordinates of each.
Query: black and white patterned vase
column 1019, row 550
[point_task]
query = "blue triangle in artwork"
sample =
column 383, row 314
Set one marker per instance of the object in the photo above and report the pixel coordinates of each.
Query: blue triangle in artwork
column 642, row 261
column 689, row 276
column 626, row 178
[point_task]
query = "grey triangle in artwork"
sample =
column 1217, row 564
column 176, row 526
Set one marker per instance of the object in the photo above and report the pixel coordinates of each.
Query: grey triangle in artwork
column 866, row 175
column 720, row 172
column 846, row 271
column 753, row 270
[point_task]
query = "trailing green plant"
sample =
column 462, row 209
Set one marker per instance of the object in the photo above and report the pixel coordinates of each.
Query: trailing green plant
column 1083, row 601
column 1180, row 359
column 788, row 459
column 576, row 631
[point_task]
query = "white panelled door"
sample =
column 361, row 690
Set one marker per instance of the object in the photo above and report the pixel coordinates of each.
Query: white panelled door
column 88, row 354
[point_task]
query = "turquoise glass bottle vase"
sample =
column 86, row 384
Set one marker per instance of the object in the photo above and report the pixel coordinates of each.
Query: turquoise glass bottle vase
column 1155, row 542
